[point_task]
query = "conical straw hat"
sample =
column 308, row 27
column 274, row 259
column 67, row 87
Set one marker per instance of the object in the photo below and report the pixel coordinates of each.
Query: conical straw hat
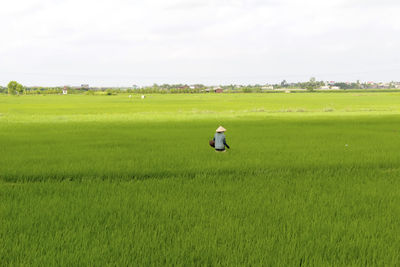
column 220, row 129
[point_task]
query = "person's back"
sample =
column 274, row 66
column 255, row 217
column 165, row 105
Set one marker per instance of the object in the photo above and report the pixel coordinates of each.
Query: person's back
column 219, row 139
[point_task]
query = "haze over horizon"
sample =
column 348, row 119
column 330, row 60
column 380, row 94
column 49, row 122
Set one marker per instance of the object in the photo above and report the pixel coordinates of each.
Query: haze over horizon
column 121, row 42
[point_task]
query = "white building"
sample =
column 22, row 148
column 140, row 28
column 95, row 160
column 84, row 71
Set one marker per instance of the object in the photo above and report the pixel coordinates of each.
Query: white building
column 267, row 87
column 64, row 90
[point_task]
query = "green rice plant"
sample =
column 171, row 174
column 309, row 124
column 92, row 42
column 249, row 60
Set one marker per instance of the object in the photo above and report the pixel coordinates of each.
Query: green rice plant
column 98, row 180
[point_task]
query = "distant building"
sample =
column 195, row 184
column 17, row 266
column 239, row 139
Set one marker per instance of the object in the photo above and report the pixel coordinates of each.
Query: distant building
column 84, row 86
column 218, row 90
column 329, row 87
column 65, row 90
column 383, row 85
column 267, row 87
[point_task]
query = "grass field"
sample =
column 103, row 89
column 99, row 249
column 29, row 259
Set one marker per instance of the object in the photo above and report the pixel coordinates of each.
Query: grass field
column 311, row 179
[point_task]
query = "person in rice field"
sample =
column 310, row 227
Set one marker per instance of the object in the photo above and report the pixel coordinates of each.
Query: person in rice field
column 220, row 140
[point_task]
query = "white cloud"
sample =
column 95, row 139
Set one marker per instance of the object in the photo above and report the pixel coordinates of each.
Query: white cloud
column 121, row 42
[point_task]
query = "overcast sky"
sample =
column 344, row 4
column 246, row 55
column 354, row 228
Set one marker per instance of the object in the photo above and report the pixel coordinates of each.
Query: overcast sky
column 126, row 42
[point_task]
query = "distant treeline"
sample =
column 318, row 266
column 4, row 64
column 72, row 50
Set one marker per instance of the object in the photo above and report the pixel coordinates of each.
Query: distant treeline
column 15, row 88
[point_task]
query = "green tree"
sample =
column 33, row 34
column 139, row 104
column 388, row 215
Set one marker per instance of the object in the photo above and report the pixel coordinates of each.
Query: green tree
column 20, row 89
column 110, row 92
column 247, row 90
column 14, row 88
column 311, row 85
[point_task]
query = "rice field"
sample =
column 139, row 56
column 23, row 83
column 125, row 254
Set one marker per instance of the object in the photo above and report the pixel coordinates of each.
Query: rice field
column 311, row 179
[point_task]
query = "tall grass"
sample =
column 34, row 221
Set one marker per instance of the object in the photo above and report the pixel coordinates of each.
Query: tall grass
column 96, row 181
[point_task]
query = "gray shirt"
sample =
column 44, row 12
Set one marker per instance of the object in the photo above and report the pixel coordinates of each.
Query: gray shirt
column 220, row 142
